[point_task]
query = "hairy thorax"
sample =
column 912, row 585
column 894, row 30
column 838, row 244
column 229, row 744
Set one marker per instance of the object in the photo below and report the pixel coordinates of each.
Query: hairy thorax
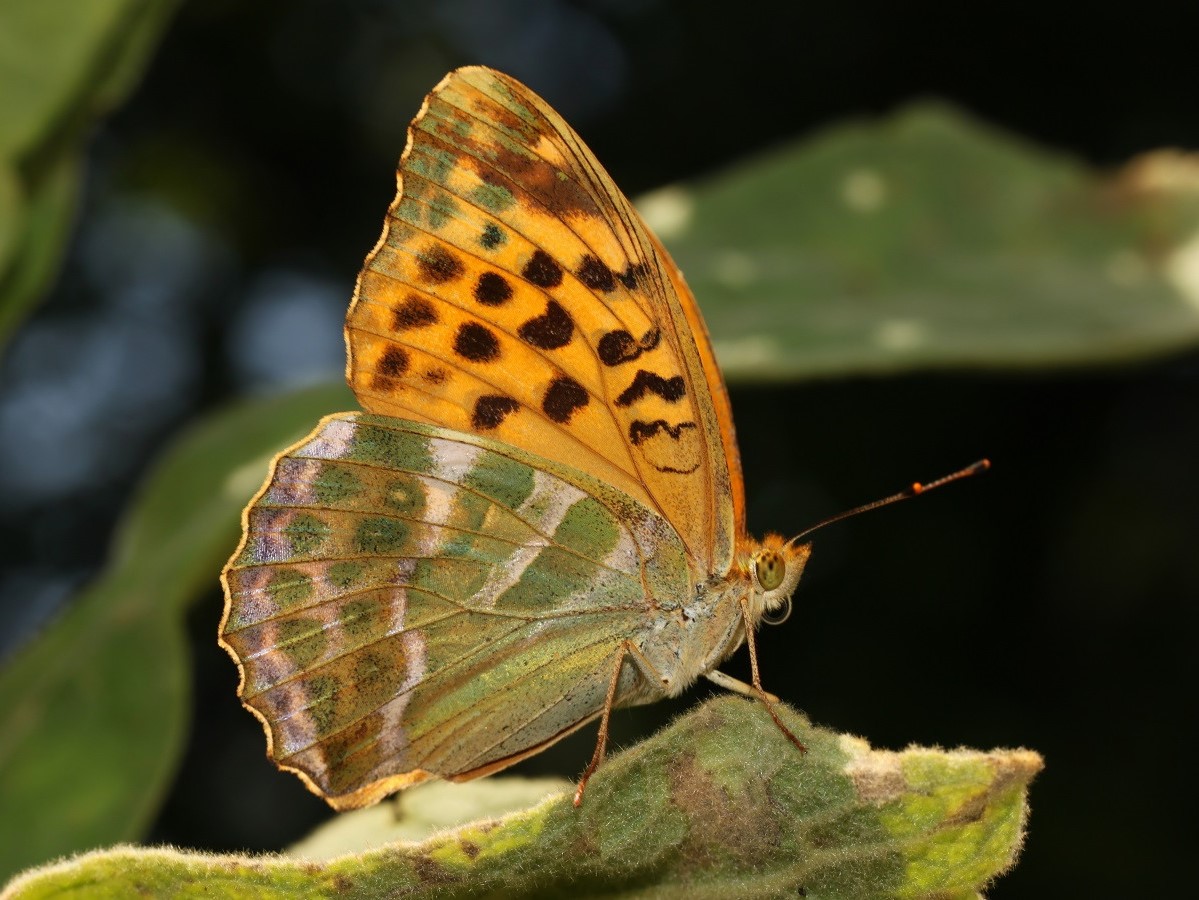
column 684, row 642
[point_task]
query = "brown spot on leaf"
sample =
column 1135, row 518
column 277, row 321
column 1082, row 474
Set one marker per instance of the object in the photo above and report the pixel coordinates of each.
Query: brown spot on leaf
column 709, row 803
column 877, row 778
column 697, row 795
column 971, row 810
column 430, row 871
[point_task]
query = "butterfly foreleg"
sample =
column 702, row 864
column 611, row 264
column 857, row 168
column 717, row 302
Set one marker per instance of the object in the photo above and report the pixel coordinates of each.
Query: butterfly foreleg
column 768, row 700
column 627, row 651
column 737, row 686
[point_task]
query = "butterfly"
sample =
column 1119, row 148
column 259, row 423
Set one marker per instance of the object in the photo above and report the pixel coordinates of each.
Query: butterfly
column 540, row 515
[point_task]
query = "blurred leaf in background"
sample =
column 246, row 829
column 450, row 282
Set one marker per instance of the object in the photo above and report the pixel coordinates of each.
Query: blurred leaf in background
column 61, row 68
column 931, row 240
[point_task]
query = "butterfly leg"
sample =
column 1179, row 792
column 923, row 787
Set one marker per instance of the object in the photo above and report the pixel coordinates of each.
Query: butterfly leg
column 601, row 744
column 759, row 691
column 737, row 686
column 648, row 671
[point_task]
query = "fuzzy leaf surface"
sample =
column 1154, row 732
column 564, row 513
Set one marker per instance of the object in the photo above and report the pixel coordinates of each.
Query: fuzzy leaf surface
column 719, row 804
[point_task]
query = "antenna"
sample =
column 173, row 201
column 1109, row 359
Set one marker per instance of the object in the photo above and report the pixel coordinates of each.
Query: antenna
column 913, row 490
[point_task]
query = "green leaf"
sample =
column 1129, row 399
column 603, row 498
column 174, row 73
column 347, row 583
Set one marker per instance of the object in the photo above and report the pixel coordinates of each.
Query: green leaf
column 92, row 713
column 720, row 804
column 62, row 66
column 928, row 240
column 40, row 224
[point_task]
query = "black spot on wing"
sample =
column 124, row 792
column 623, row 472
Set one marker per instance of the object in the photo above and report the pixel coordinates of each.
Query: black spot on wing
column 542, row 271
column 669, row 389
column 476, row 342
column 642, row 431
column 414, row 312
column 492, row 289
column 618, row 346
column 596, row 275
column 393, row 363
column 550, row 330
column 491, row 410
column 437, row 265
column 632, row 275
column 562, row 398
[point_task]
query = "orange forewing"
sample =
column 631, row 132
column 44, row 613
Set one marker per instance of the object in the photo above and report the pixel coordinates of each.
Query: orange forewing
column 516, row 294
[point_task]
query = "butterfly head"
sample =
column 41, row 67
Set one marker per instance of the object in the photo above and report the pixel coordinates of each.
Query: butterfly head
column 775, row 566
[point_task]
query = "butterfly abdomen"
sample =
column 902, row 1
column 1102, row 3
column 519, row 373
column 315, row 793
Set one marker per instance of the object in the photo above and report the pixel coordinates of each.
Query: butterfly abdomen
column 689, row 640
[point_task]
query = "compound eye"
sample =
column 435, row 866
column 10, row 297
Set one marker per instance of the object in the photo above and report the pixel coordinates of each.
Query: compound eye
column 771, row 569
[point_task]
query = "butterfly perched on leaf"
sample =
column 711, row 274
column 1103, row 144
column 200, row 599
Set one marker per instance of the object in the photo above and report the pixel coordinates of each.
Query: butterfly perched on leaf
column 540, row 515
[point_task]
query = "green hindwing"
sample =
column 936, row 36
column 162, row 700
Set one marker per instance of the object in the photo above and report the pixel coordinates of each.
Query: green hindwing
column 410, row 601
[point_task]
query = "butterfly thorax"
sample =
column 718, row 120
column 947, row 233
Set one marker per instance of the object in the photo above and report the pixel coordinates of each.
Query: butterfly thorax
column 696, row 637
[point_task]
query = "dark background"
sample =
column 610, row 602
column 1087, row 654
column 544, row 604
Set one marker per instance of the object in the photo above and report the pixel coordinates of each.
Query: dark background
column 1050, row 604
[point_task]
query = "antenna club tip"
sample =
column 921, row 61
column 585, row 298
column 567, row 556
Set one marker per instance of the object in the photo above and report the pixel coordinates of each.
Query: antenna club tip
column 915, row 489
